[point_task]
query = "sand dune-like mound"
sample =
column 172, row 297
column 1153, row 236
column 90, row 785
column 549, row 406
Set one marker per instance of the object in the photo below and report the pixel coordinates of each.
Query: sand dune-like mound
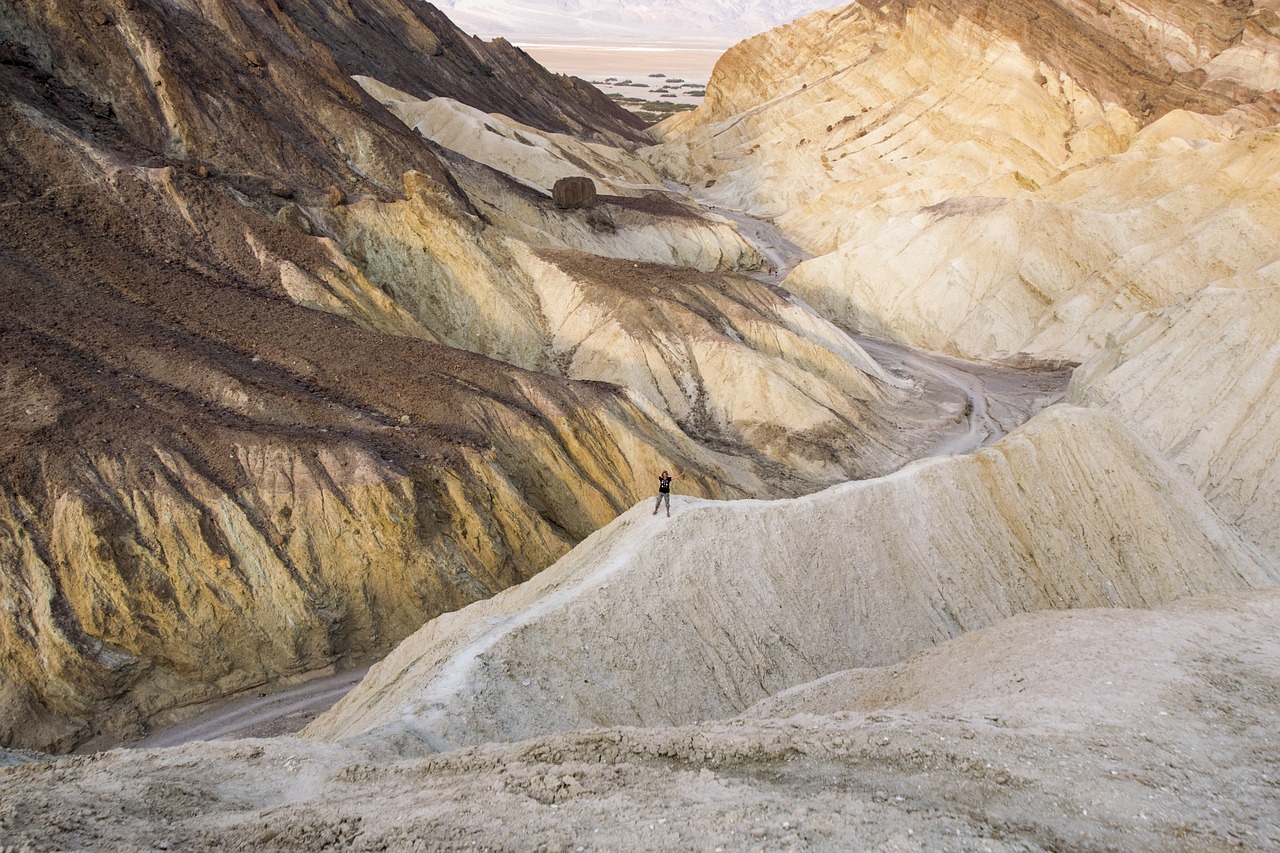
column 656, row 622
column 1153, row 733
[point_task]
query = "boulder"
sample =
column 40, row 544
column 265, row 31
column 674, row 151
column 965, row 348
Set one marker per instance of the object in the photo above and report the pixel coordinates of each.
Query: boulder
column 574, row 193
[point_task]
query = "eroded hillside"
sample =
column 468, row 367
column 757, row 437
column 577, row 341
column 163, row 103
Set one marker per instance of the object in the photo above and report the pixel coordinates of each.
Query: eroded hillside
column 1000, row 181
column 1029, row 182
column 283, row 378
column 263, row 419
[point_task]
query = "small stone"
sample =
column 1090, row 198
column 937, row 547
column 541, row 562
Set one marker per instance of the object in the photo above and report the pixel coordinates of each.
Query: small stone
column 280, row 189
column 335, row 196
column 254, row 59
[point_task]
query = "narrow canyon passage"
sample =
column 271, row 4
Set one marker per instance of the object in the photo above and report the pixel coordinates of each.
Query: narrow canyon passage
column 976, row 404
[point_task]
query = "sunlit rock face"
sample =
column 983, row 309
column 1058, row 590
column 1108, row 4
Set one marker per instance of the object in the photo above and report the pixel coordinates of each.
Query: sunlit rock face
column 1032, row 182
column 999, row 180
column 1199, row 381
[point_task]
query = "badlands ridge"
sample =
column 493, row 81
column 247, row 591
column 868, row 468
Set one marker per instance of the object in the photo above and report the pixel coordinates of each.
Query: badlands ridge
column 301, row 354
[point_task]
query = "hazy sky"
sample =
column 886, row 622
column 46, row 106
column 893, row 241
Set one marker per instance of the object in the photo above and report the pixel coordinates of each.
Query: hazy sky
column 721, row 22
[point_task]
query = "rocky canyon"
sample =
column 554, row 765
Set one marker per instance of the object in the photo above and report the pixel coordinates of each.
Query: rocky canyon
column 333, row 337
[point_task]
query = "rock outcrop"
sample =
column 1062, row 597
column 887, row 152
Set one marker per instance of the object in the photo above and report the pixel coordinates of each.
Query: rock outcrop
column 1199, row 381
column 528, row 153
column 1051, row 274
column 975, row 186
column 574, row 193
column 651, row 626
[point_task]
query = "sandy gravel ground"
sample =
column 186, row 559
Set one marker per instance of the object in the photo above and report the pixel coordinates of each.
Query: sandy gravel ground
column 1086, row 730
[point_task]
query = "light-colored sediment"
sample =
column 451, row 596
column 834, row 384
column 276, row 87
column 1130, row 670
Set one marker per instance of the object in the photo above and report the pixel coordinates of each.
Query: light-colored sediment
column 1201, row 382
column 1155, row 731
column 655, row 622
column 973, row 189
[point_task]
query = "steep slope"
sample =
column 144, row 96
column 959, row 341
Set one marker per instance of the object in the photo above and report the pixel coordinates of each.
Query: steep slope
column 206, row 485
column 241, row 444
column 1052, row 274
column 734, row 602
column 1201, row 382
column 1047, row 182
column 736, row 363
column 539, row 159
column 983, row 188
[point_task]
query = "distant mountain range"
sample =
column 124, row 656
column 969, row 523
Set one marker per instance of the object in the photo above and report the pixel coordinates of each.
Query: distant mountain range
column 727, row 20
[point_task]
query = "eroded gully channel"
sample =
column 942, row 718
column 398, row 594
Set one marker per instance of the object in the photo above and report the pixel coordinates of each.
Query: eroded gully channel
column 994, row 400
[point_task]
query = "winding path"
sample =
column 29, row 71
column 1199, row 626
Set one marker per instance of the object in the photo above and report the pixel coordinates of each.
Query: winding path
column 996, row 399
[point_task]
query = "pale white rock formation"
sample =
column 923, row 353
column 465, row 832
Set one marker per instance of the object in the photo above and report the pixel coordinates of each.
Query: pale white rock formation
column 636, row 217
column 1026, row 670
column 1093, row 729
column 657, row 226
column 1052, row 273
column 1201, row 382
column 655, row 622
column 534, row 156
column 723, row 356
column 847, row 118
column 729, row 358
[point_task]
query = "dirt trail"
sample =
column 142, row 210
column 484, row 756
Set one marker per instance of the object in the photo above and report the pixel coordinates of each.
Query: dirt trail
column 268, row 712
column 996, row 399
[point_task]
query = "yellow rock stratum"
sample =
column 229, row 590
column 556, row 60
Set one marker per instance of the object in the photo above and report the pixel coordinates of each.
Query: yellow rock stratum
column 1199, row 381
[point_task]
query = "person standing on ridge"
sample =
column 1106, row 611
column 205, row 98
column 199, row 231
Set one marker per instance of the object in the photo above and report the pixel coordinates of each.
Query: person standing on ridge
column 664, row 491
